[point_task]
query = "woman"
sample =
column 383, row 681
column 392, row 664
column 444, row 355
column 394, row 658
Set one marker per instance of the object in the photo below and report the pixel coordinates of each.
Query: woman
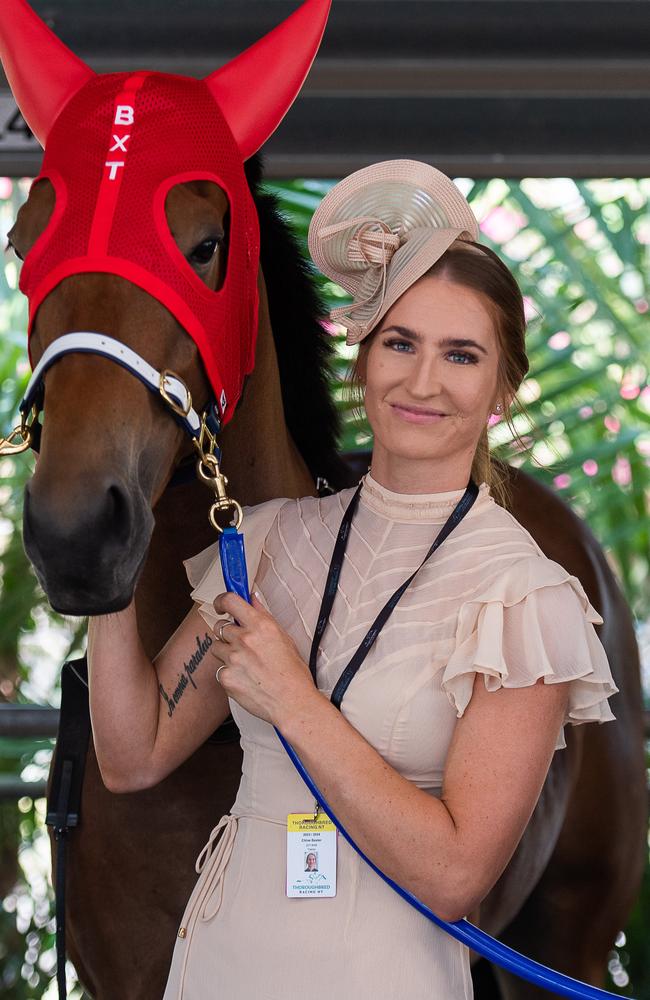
column 434, row 751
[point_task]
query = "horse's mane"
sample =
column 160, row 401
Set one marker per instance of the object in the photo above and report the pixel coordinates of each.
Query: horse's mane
column 303, row 346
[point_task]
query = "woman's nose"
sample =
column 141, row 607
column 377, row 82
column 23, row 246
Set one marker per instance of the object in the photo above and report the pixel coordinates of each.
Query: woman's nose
column 424, row 378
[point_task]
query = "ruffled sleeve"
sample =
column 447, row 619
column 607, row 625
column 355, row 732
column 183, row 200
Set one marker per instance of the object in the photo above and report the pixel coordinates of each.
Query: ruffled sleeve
column 204, row 569
column 533, row 621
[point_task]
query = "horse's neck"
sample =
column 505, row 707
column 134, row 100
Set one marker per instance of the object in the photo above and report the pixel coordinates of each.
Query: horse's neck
column 260, row 461
column 259, row 456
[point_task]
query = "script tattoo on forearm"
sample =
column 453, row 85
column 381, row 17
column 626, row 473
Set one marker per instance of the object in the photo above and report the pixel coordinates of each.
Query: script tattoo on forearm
column 185, row 678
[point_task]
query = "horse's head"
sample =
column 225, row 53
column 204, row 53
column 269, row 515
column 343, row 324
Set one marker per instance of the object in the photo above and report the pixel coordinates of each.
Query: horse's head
column 108, row 447
column 141, row 228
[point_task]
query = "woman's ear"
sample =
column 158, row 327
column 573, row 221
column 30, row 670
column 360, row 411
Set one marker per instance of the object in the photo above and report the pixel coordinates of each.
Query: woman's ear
column 506, row 400
column 502, row 405
column 504, row 396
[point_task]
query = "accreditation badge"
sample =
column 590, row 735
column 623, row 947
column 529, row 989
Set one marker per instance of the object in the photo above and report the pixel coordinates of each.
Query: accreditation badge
column 311, row 855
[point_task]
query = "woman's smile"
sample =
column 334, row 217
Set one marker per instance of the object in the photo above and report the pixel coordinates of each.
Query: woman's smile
column 417, row 414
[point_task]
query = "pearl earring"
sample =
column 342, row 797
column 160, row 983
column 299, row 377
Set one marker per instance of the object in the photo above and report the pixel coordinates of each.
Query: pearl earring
column 498, row 408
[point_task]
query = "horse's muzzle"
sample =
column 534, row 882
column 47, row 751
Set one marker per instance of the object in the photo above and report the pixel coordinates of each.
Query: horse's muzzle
column 87, row 550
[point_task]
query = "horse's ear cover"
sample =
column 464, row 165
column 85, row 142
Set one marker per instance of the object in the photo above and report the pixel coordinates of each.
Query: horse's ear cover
column 115, row 144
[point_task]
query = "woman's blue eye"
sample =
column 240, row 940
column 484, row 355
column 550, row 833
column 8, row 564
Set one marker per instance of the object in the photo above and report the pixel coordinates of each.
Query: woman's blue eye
column 465, row 358
column 398, row 344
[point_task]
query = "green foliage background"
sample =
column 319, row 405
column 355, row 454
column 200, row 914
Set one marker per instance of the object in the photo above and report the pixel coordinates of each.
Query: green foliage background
column 581, row 253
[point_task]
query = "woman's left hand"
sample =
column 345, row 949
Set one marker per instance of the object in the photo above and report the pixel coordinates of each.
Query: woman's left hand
column 263, row 670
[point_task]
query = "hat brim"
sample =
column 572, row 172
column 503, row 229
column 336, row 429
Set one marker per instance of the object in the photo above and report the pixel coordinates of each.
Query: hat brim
column 412, row 199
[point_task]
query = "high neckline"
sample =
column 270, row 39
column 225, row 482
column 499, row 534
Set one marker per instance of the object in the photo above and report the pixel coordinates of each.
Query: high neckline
column 428, row 507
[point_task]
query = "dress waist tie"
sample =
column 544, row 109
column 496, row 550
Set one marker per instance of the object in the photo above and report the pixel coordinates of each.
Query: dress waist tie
column 211, row 864
column 214, row 859
column 206, row 899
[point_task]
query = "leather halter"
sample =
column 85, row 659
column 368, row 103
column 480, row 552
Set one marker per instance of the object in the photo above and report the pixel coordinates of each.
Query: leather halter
column 165, row 384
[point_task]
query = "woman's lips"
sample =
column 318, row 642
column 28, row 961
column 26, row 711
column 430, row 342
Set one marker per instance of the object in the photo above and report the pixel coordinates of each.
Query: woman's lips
column 412, row 415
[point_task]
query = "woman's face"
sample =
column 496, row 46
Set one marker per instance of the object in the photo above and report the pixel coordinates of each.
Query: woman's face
column 311, row 862
column 431, row 379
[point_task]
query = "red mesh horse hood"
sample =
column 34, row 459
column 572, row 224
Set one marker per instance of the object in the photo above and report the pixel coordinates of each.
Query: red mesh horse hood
column 114, row 152
column 114, row 146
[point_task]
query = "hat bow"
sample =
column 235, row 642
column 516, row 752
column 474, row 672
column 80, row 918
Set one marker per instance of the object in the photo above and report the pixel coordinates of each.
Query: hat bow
column 372, row 242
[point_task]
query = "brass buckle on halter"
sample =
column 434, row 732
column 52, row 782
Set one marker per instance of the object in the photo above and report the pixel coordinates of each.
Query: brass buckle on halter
column 23, row 432
column 173, row 405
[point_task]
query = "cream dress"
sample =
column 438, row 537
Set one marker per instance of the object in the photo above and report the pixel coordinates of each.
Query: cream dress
column 488, row 602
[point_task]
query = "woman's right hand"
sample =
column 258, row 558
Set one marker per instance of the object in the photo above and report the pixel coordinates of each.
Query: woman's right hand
column 148, row 717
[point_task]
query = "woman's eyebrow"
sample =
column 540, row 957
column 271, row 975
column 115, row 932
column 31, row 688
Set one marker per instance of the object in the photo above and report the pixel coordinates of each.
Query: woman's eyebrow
column 460, row 342
column 412, row 335
column 404, row 331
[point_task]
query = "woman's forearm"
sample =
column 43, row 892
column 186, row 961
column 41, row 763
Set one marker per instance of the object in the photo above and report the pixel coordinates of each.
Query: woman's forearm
column 450, row 851
column 409, row 834
column 123, row 700
column 150, row 717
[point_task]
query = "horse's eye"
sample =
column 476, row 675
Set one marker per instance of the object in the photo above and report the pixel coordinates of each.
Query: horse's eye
column 205, row 251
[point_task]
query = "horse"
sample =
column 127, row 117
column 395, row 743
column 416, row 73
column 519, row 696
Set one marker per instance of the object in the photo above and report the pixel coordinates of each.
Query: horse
column 103, row 518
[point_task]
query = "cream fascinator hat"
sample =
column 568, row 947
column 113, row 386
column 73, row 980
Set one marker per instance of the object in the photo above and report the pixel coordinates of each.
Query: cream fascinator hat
column 381, row 229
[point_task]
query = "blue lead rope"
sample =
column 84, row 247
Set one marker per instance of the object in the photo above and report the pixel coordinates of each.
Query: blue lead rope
column 233, row 564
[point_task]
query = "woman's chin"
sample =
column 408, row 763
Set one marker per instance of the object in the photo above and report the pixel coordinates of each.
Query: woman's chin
column 416, row 453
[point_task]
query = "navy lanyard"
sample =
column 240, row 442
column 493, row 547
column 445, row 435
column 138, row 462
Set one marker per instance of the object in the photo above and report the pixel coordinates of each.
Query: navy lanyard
column 460, row 510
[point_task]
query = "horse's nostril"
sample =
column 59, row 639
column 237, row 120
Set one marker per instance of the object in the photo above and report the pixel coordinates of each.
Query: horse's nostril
column 117, row 511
